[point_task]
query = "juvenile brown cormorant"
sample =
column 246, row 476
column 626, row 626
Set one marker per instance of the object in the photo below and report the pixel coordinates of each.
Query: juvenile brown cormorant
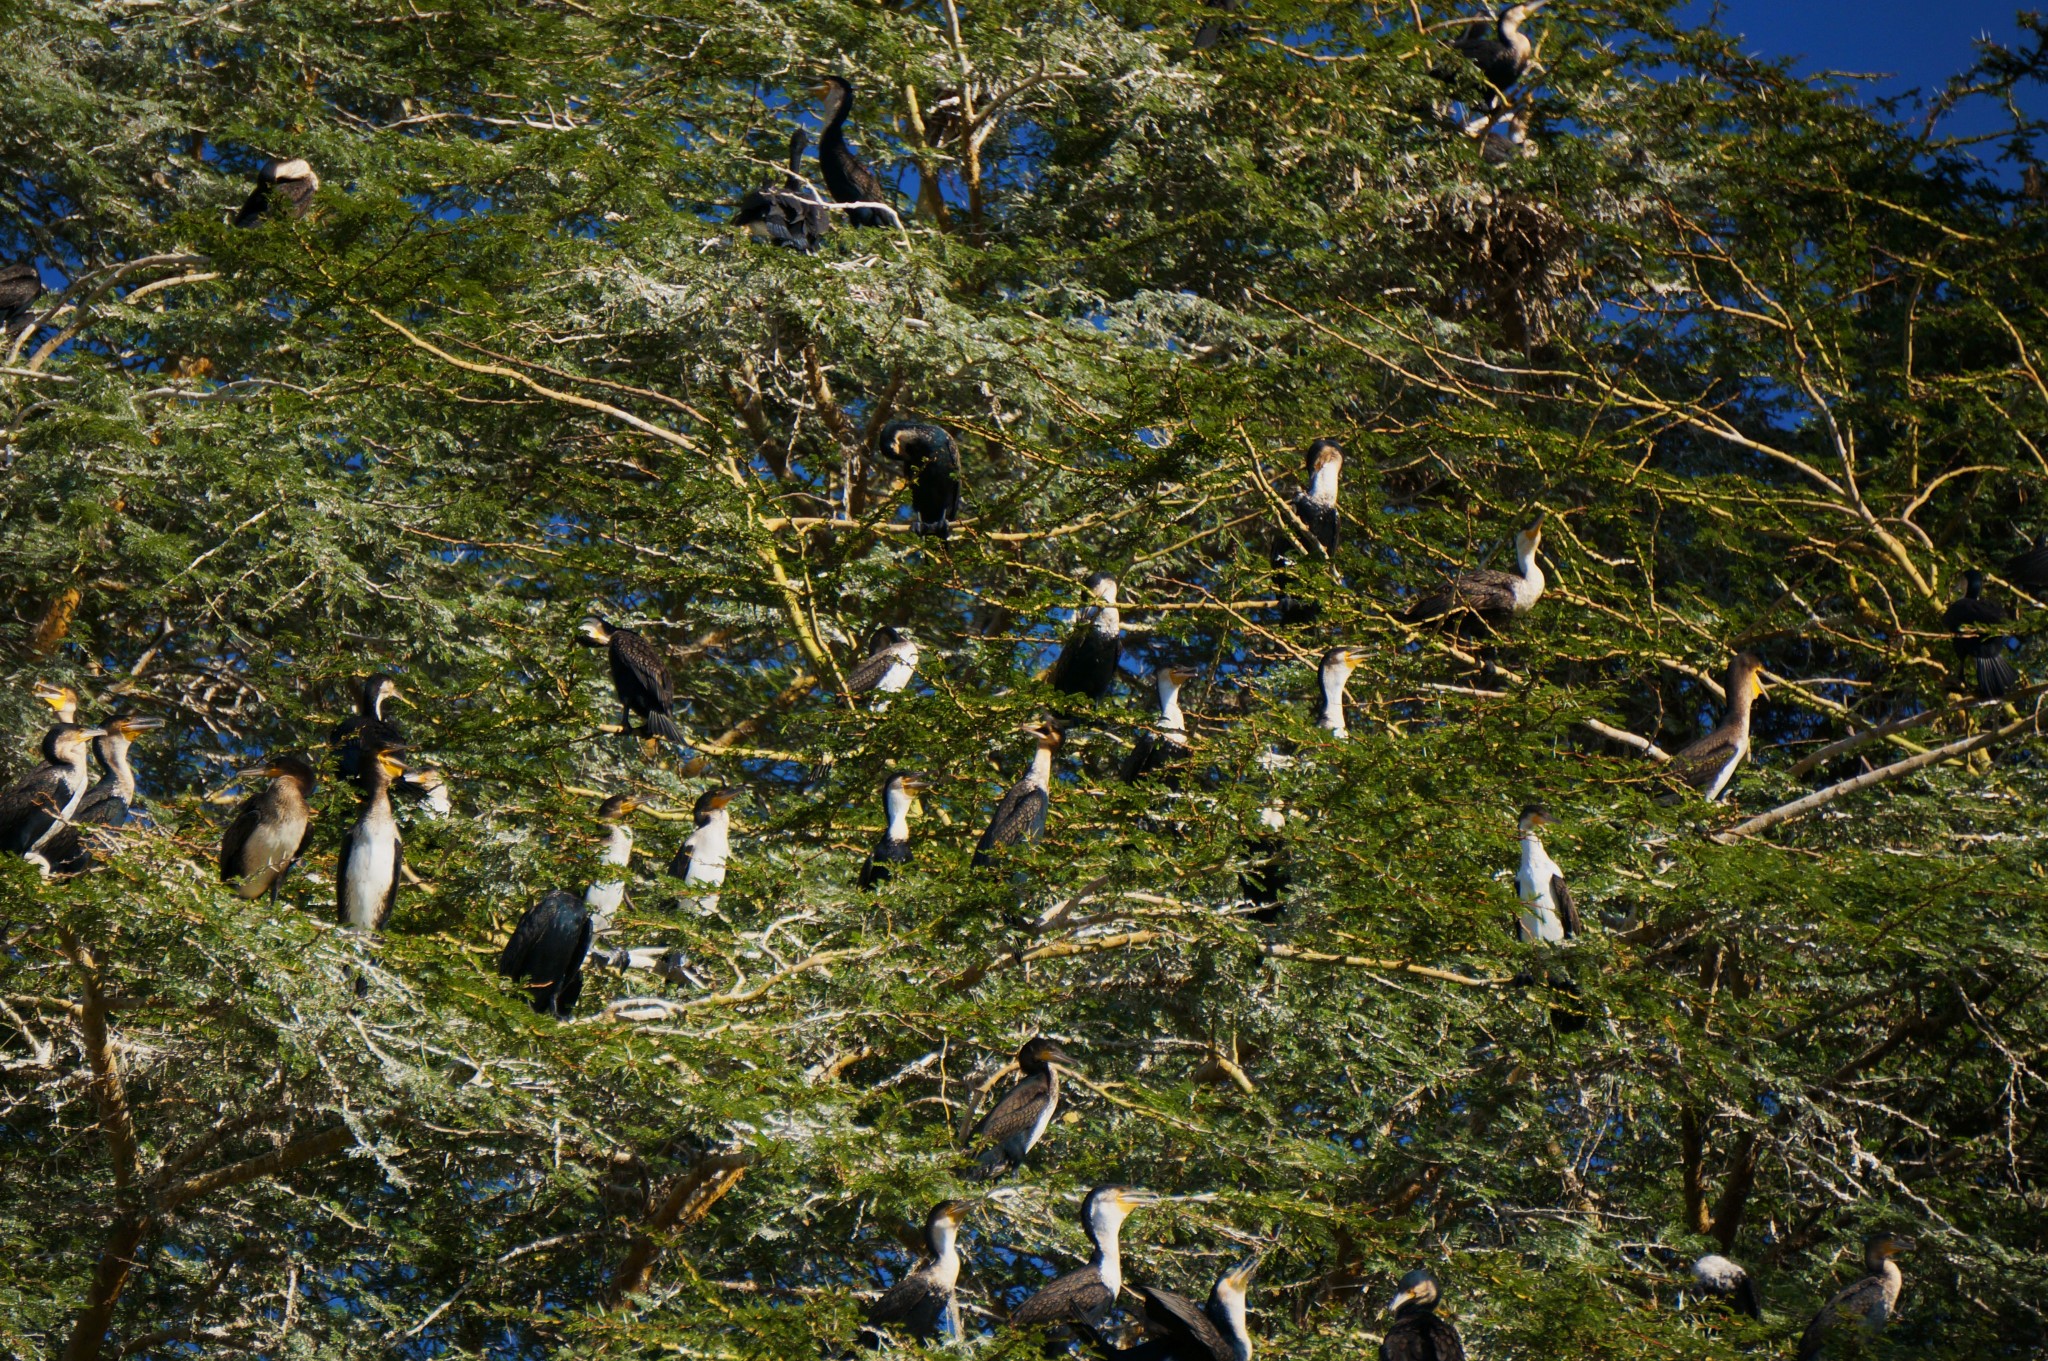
column 1418, row 1334
column 1084, row 1296
column 1501, row 54
column 1333, row 673
column 2029, row 570
column 1977, row 625
column 931, row 465
column 1725, row 1280
column 701, row 858
column 291, row 183
column 62, row 699
column 1869, row 1301
column 546, row 953
column 20, row 285
column 366, row 874
column 898, row 793
column 1708, row 764
column 1021, row 814
column 36, row 806
column 639, row 676
column 924, row 1303
column 848, row 179
column 270, row 829
column 1176, row 1329
column 1487, row 597
column 1166, row 741
column 605, row 896
column 1019, row 1120
column 790, row 215
column 1087, row 662
column 1547, row 913
column 889, row 665
column 367, row 726
column 428, row 788
column 106, row 803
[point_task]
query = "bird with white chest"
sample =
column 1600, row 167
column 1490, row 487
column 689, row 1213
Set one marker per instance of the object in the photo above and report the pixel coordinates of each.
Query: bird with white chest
column 607, row 893
column 700, row 862
column 1548, row 914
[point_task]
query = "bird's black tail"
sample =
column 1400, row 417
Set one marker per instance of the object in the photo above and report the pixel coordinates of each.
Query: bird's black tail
column 661, row 725
column 1746, row 1298
column 940, row 529
column 991, row 1165
column 1995, row 673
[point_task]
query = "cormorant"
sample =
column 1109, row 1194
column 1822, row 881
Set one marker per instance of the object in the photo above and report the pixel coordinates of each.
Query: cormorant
column 1087, row 662
column 604, row 897
column 36, row 806
column 931, row 465
column 1870, row 1300
column 62, row 699
column 1501, row 55
column 1176, row 1329
column 923, row 1303
column 1019, row 1120
column 106, row 803
column 367, row 726
column 2029, row 570
column 1316, row 501
column 1489, row 597
column 1166, row 740
column 1084, row 1296
column 1708, row 764
column 1265, row 875
column 898, row 792
column 1418, row 1334
column 289, row 182
column 1021, row 814
column 790, row 215
column 639, row 676
column 845, row 176
column 546, row 953
column 1549, row 915
column 20, row 285
column 367, row 872
column 889, row 665
column 1333, row 673
column 428, row 788
column 701, row 858
column 1725, row 1280
column 1977, row 625
column 269, row 830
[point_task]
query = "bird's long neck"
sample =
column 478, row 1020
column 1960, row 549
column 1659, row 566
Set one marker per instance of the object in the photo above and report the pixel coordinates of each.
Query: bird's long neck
column 1331, row 715
column 1170, row 717
column 1226, row 1311
column 1108, row 1259
column 114, row 756
column 1525, row 561
column 840, row 105
column 1532, row 848
column 1322, row 488
column 1040, row 773
column 1510, row 30
column 943, row 1242
column 373, row 705
column 1108, row 621
column 898, row 803
column 1739, row 701
column 618, row 846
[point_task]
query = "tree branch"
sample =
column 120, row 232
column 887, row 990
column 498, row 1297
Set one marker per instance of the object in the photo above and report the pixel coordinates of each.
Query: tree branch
column 687, row 1202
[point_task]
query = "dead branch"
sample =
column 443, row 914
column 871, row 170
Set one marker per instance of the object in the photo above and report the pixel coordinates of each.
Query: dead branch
column 687, row 1202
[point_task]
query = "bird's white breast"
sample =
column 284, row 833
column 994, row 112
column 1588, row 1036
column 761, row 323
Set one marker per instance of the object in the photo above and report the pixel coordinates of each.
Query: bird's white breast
column 372, row 863
column 709, row 846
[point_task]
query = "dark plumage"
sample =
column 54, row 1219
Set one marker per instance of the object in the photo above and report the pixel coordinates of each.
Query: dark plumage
column 106, row 803
column 1869, row 1301
column 849, row 180
column 893, row 849
column 1485, row 598
column 889, row 665
column 546, row 952
column 1315, row 502
column 34, row 806
column 290, row 183
column 269, row 831
column 1418, row 1334
column 1710, row 763
column 20, row 285
column 790, row 215
column 923, row 1303
column 1087, row 663
column 1084, row 1296
column 1500, row 50
column 2029, row 570
column 931, row 464
column 1166, row 742
column 639, row 676
column 1976, row 624
column 367, row 727
column 1020, row 816
column 1176, row 1329
column 372, row 855
column 1014, row 1127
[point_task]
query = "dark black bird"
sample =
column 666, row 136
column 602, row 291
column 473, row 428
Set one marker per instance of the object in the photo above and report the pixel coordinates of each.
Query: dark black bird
column 1166, row 741
column 1418, row 1334
column 34, row 807
column 269, row 830
column 639, row 676
column 889, row 665
column 546, row 953
column 848, row 179
column 1315, row 501
column 1725, row 1280
column 366, row 873
column 1265, row 875
column 2029, row 570
column 1084, row 1296
column 1021, row 814
column 367, row 726
column 894, row 848
column 924, row 1303
column 1087, row 662
column 1977, row 624
column 1018, row 1121
column 291, row 183
column 1176, row 1329
column 1501, row 51
column 790, row 215
column 931, row 465
column 20, row 285
column 106, row 803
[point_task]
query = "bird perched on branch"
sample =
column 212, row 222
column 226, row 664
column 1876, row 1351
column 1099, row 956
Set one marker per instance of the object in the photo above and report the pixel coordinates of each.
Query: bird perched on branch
column 1084, row 1296
column 1020, row 816
column 1709, row 764
column 1314, row 503
column 1088, row 660
column 366, row 874
column 931, row 465
column 899, row 791
column 268, row 832
column 1725, row 1280
column 1499, row 48
column 2029, row 570
column 1019, row 1120
column 639, row 676
column 20, row 285
column 700, row 860
column 106, row 804
column 1176, row 1329
column 1333, row 674
column 367, row 728
column 36, row 806
column 290, row 183
column 849, row 180
column 1548, row 914
column 1418, row 1334
column 924, row 1303
column 791, row 215
column 1976, row 624
column 1488, row 598
column 546, row 953
column 890, row 663
column 606, row 895
column 1869, row 1301
column 1166, row 741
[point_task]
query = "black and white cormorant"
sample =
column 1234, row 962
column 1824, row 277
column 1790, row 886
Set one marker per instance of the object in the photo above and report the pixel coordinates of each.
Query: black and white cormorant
column 1333, row 674
column 898, row 793
column 367, row 726
column 35, row 807
column 1486, row 597
column 931, row 465
column 1088, row 661
column 62, row 699
column 1548, row 914
column 367, row 872
column 700, row 860
column 428, row 788
column 1021, row 814
column 2029, row 570
column 1418, row 1334
column 786, row 215
column 639, row 676
column 1869, row 1301
column 291, row 183
column 1084, row 1296
column 1709, row 764
column 20, row 285
column 1976, row 624
column 1014, row 1127
column 1177, row 1329
column 925, row 1303
column 1502, row 52
column 1265, row 875
column 270, row 829
column 607, row 894
column 1166, row 741
column 546, row 953
column 106, row 804
column 848, row 179
column 1315, row 501
column 1725, row 1280
column 889, row 665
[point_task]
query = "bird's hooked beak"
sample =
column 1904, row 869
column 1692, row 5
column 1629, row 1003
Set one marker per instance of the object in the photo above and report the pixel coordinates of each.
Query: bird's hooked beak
column 128, row 727
column 87, row 734
column 723, row 796
column 1239, row 1277
column 1394, row 1304
column 56, row 696
column 915, row 784
column 1181, row 675
column 1137, row 1200
column 389, row 766
column 397, row 696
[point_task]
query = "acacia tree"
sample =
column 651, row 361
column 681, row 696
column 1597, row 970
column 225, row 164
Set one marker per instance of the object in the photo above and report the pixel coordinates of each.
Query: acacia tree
column 1771, row 362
